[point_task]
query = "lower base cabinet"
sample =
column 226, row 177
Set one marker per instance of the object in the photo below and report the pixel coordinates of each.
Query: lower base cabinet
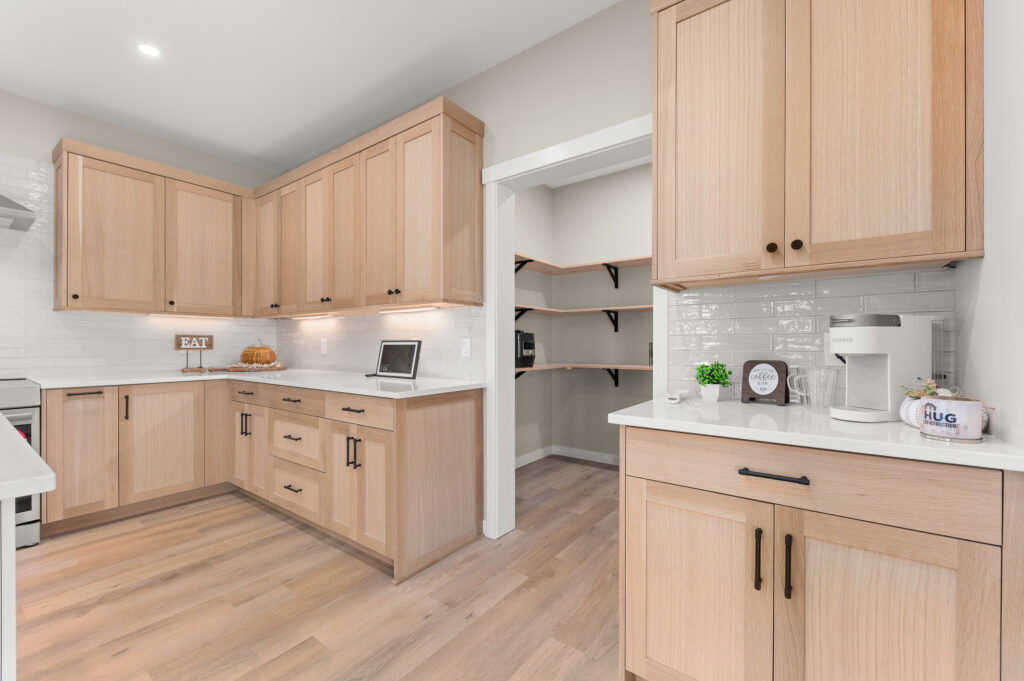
column 723, row 588
column 298, row 489
column 360, row 478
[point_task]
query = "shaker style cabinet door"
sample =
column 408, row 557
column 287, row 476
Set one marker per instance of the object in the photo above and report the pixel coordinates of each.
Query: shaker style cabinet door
column 291, row 248
column 720, row 71
column 698, row 581
column 160, row 439
column 373, row 458
column 115, row 237
column 857, row 601
column 378, row 197
column 347, row 230
column 204, row 247
column 419, row 213
column 876, row 129
column 317, row 242
column 81, row 448
column 258, row 427
column 268, row 255
column 342, row 481
column 242, row 438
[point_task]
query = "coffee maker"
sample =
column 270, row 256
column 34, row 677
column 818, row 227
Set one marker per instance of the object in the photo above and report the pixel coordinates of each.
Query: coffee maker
column 882, row 352
column 526, row 349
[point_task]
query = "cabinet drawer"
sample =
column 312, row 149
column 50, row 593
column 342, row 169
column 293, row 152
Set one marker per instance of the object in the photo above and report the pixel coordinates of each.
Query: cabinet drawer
column 955, row 501
column 298, row 489
column 296, row 437
column 243, row 391
column 293, row 399
column 375, row 412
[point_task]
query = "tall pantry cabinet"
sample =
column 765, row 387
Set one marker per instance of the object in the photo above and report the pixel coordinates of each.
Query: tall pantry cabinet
column 798, row 136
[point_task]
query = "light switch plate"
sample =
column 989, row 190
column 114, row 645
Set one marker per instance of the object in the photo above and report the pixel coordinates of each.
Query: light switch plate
column 467, row 348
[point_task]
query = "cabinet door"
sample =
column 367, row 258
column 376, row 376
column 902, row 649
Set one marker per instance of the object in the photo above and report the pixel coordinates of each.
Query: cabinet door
column 115, row 239
column 317, row 242
column 160, row 440
column 373, row 461
column 259, row 435
column 290, row 199
column 875, row 107
column 342, row 486
column 242, row 454
column 268, row 254
column 419, row 213
column 462, row 248
column 203, row 247
column 81, row 448
column 379, row 196
column 347, row 230
column 875, row 602
column 720, row 141
column 694, row 608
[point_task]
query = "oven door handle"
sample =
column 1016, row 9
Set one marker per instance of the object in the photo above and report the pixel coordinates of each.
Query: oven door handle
column 19, row 417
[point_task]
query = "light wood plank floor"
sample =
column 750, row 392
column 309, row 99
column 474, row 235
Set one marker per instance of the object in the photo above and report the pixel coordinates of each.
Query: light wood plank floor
column 227, row 589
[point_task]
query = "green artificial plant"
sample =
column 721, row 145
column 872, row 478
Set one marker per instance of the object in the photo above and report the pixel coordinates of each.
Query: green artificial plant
column 715, row 373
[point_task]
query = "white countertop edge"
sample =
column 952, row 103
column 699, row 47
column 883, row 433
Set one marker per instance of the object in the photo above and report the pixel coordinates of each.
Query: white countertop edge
column 991, row 453
column 310, row 379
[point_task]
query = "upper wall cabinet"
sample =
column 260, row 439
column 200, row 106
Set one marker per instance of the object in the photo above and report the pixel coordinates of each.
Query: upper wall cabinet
column 796, row 136
column 136, row 236
column 267, row 284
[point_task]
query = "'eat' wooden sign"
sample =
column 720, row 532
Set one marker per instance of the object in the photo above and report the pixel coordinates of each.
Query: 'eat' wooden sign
column 183, row 342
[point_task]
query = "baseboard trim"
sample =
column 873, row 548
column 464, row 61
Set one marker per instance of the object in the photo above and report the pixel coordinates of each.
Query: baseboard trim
column 535, row 455
column 569, row 453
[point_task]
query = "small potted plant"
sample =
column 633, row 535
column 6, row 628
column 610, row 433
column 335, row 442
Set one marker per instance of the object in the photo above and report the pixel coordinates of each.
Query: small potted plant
column 712, row 377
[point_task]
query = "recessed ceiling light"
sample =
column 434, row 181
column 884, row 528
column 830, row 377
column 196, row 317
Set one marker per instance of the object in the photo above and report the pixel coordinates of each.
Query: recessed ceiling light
column 148, row 50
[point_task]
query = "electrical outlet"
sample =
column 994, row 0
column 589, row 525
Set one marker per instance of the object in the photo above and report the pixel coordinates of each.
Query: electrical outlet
column 467, row 348
column 323, row 347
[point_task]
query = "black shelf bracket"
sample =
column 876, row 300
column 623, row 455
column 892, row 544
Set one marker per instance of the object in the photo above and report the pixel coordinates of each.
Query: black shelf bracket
column 520, row 264
column 613, row 272
column 613, row 317
column 614, row 373
column 520, row 311
column 519, row 373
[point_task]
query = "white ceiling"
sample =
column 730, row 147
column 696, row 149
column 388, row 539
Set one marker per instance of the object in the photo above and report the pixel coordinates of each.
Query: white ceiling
column 264, row 83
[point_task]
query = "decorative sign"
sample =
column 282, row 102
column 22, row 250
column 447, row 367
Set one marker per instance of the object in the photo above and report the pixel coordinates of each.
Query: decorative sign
column 765, row 379
column 183, row 342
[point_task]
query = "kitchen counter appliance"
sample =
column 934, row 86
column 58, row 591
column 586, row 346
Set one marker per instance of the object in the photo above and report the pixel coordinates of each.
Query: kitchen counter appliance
column 526, row 349
column 19, row 403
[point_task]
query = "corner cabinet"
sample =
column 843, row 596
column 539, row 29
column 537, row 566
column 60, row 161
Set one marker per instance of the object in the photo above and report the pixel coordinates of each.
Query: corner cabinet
column 864, row 565
column 800, row 136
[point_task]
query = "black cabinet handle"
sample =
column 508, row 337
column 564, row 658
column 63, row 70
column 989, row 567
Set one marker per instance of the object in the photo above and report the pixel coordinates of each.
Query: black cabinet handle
column 322, row 299
column 391, row 292
column 348, row 451
column 170, row 302
column 74, row 296
column 355, row 453
column 797, row 244
column 397, row 291
column 273, row 305
column 290, row 399
column 292, row 438
column 802, row 480
column 789, row 566
column 125, row 407
column 327, row 299
column 772, row 247
column 292, row 489
column 241, row 423
column 91, row 392
column 245, row 392
column 354, row 411
column 757, row 558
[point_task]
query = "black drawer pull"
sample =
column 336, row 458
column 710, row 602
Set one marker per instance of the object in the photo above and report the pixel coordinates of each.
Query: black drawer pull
column 292, row 438
column 290, row 399
column 354, row 411
column 91, row 392
column 789, row 566
column 802, row 480
column 292, row 489
column 246, row 392
column 125, row 407
column 355, row 453
column 757, row 558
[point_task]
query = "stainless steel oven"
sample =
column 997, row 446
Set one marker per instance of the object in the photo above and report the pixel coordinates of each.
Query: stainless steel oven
column 19, row 403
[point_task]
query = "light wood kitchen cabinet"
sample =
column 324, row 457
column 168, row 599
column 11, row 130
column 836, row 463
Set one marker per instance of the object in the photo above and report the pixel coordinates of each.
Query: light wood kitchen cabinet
column 267, row 282
column 160, row 440
column 297, row 438
column 297, row 489
column 317, row 256
column 81, row 448
column 699, row 584
column 242, row 448
column 251, row 448
column 203, row 250
column 110, row 237
column 360, row 483
column 419, row 213
column 891, row 603
column 379, row 197
column 291, row 245
column 811, row 135
column 347, row 232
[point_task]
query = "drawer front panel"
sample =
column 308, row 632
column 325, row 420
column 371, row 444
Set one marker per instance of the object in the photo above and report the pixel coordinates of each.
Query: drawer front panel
column 296, row 437
column 955, row 501
column 298, row 489
column 300, row 400
column 243, row 391
column 375, row 412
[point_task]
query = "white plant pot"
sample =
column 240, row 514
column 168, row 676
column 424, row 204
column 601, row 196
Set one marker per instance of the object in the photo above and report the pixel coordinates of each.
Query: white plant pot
column 711, row 393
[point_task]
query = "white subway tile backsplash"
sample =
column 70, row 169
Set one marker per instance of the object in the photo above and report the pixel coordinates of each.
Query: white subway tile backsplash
column 734, row 310
column 901, row 282
column 782, row 289
column 818, row 306
column 776, row 325
column 926, row 301
column 936, row 280
column 736, row 342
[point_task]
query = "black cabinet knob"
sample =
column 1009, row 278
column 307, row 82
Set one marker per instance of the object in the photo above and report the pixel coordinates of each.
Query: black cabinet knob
column 322, row 299
column 327, row 299
column 797, row 244
column 170, row 302
column 390, row 292
column 772, row 247
column 397, row 291
column 74, row 296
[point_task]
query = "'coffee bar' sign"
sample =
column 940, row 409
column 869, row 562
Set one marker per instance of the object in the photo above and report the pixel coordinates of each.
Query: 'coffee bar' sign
column 183, row 342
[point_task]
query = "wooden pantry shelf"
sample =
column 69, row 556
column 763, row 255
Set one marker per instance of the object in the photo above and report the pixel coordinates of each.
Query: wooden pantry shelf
column 580, row 310
column 545, row 267
column 612, row 369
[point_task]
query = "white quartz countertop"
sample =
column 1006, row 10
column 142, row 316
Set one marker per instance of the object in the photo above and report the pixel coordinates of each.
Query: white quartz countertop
column 795, row 425
column 332, row 381
column 22, row 470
